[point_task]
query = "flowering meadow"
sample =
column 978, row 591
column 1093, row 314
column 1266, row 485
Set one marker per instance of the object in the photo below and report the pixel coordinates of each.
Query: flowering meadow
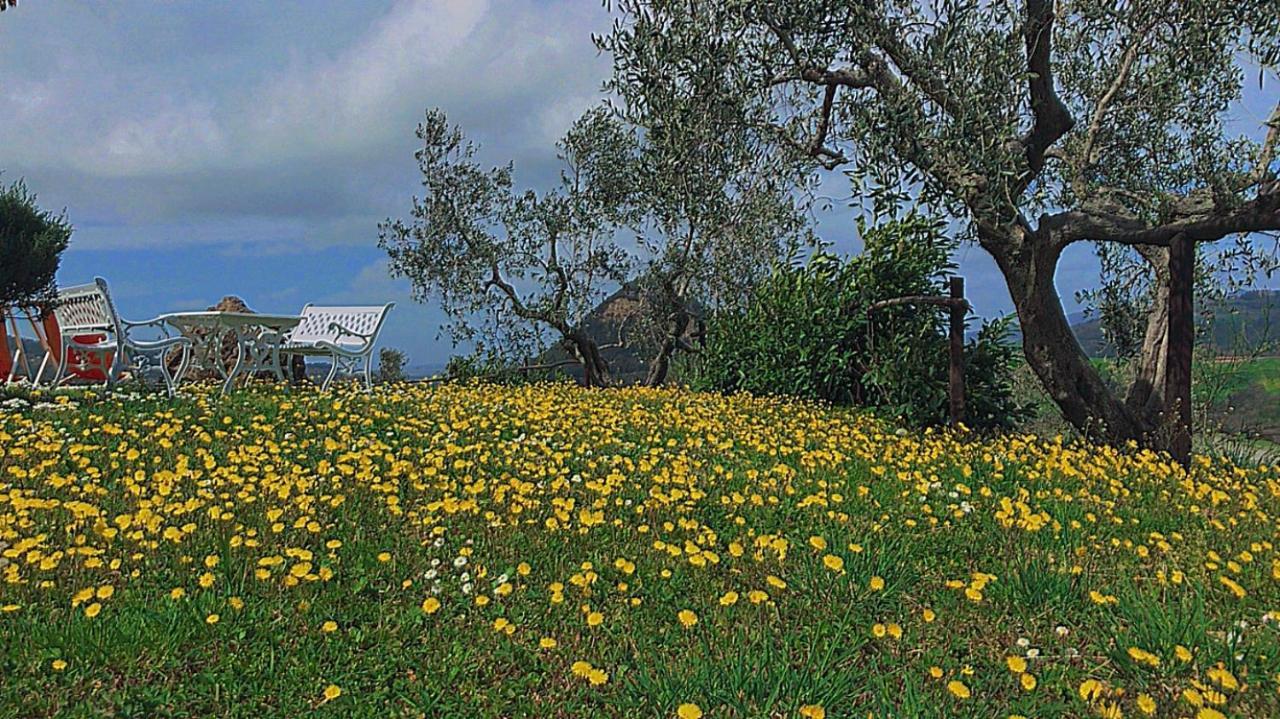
column 471, row 550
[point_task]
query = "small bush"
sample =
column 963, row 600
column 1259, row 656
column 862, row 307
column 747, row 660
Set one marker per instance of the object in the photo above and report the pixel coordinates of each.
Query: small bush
column 806, row 333
column 391, row 363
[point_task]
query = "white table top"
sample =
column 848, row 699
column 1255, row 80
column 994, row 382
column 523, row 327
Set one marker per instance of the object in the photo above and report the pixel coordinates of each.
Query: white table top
column 210, row 317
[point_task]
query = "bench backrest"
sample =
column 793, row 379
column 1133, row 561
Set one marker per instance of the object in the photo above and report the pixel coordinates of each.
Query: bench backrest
column 86, row 308
column 318, row 324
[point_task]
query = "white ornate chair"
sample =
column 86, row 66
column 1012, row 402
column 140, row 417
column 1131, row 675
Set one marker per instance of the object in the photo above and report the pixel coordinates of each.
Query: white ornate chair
column 88, row 310
column 345, row 335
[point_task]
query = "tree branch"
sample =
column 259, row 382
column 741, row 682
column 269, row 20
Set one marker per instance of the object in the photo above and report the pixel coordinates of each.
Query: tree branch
column 1052, row 119
column 1269, row 145
column 1260, row 214
column 1095, row 123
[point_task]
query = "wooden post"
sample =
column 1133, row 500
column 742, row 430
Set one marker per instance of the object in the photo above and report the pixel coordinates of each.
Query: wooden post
column 955, row 382
column 1178, row 349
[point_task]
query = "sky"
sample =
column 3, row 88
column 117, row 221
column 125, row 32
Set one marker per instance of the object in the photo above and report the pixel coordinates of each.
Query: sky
column 204, row 149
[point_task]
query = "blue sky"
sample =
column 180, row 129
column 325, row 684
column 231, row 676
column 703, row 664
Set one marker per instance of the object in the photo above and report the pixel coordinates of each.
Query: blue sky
column 250, row 148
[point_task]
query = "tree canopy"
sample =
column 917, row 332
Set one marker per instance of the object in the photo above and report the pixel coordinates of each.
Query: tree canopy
column 1041, row 124
column 31, row 244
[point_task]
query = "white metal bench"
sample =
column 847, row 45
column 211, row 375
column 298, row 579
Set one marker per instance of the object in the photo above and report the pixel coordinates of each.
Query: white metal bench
column 88, row 310
column 345, row 335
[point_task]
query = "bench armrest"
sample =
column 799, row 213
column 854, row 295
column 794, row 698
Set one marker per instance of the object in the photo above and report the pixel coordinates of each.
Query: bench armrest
column 155, row 322
column 344, row 331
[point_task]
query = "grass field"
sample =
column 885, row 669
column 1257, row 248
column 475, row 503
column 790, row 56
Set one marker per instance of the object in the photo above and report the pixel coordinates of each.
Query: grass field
column 550, row 551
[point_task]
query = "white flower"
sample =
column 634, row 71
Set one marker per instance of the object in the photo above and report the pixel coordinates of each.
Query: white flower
column 459, row 562
column 431, row 574
column 1024, row 642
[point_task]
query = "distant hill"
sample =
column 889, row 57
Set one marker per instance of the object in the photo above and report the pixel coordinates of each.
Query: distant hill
column 1240, row 323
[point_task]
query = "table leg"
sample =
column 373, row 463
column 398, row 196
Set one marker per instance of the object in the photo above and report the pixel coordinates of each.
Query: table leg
column 240, row 354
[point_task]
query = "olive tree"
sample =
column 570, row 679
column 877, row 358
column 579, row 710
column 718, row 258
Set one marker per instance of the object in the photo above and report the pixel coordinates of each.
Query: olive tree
column 720, row 202
column 511, row 268
column 1041, row 124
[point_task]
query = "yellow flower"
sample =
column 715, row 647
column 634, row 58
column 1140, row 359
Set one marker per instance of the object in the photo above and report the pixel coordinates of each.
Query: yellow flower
column 834, row 563
column 813, row 711
column 1090, row 689
column 384, row 557
column 1208, row 713
column 776, row 582
column 1223, row 678
column 878, row 630
column 92, row 610
column 177, row 593
column 1143, row 656
column 236, row 603
column 547, row 643
column 689, row 711
column 105, row 591
column 329, row 627
column 597, row 677
column 212, row 619
column 1017, row 665
column 958, row 689
column 431, row 605
column 1146, row 704
column 594, row 619
column 687, row 618
column 817, row 543
column 206, row 580
column 929, row 615
column 894, row 630
column 58, row 665
column 729, row 599
column 935, row 672
column 1028, row 681
column 877, row 583
column 331, row 692
column 756, row 596
column 1182, row 653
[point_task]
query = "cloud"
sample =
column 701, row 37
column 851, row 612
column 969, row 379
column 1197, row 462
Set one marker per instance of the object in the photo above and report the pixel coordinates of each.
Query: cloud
column 151, row 116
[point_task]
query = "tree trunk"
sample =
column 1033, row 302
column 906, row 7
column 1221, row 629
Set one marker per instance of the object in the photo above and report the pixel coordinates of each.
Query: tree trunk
column 1053, row 352
column 660, row 365
column 595, row 370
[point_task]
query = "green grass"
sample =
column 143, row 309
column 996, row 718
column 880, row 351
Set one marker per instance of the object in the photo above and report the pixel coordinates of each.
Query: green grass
column 677, row 500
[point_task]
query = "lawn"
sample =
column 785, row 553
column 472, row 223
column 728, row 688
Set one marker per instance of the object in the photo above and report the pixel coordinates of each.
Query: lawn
column 552, row 551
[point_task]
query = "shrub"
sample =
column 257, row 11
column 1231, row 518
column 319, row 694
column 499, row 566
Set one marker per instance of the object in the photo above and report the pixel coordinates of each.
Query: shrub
column 31, row 242
column 390, row 365
column 806, row 333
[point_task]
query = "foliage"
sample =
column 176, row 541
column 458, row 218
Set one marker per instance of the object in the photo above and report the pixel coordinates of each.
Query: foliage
column 31, row 244
column 510, row 268
column 806, row 332
column 1039, row 124
column 720, row 201
column 695, row 207
column 391, row 363
column 408, row 551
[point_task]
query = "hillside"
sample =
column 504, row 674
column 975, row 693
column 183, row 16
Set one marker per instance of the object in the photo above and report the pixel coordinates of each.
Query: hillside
column 1241, row 323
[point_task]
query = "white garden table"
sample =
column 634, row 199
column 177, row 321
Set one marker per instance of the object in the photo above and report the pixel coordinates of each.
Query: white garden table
column 257, row 338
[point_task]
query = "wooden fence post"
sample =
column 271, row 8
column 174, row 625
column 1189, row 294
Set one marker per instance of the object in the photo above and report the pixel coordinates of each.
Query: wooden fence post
column 955, row 382
column 1178, row 348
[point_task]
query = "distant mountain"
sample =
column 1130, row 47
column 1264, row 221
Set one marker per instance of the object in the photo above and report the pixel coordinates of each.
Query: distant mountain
column 1241, row 323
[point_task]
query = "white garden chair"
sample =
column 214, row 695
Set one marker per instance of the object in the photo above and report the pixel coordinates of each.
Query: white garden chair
column 88, row 310
column 345, row 335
